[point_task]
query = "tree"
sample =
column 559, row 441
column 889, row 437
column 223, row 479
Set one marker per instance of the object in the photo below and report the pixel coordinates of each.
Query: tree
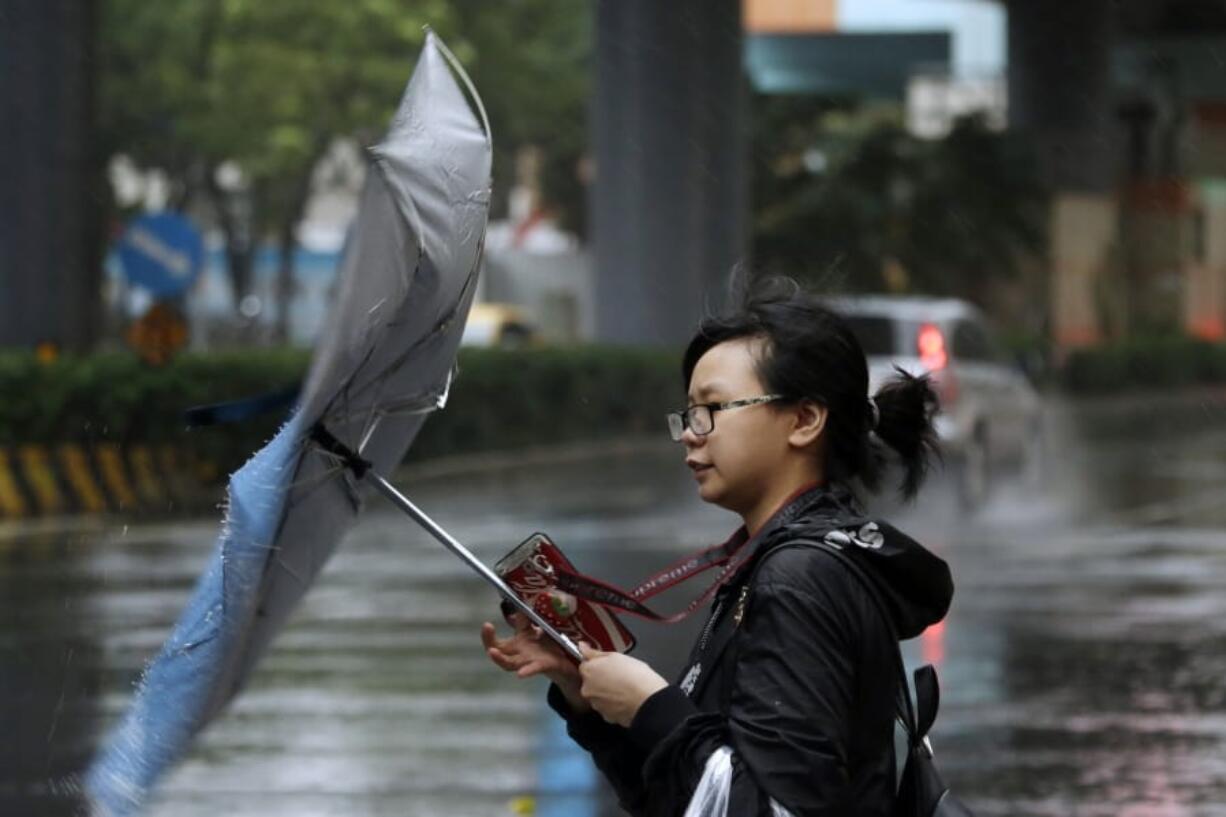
column 189, row 87
column 266, row 88
column 531, row 60
column 851, row 192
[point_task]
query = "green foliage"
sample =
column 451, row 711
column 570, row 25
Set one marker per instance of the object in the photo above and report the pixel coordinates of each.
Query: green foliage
column 261, row 87
column 502, row 399
column 512, row 398
column 531, row 61
column 956, row 214
column 118, row 398
column 268, row 86
column 187, row 86
column 1145, row 363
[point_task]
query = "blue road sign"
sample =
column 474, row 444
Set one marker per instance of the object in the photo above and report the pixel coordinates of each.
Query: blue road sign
column 162, row 253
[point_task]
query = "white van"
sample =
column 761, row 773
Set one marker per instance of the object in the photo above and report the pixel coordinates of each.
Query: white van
column 991, row 415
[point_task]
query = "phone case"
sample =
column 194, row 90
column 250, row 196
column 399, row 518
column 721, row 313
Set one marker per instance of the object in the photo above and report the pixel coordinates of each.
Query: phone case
column 530, row 570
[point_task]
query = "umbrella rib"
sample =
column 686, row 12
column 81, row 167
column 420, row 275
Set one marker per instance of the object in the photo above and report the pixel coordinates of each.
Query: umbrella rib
column 293, row 573
column 424, row 404
column 372, row 419
column 309, row 485
column 397, row 362
column 319, row 480
column 371, row 427
column 468, row 83
column 343, row 394
column 421, row 403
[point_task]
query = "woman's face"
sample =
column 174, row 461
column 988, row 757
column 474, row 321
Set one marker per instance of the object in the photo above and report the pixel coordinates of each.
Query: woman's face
column 736, row 464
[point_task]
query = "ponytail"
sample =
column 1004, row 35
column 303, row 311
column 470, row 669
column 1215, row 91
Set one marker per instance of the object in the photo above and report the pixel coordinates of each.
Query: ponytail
column 906, row 405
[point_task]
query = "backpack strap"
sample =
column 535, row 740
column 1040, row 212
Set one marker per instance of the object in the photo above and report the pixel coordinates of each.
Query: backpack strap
column 925, row 677
column 759, row 559
column 928, row 693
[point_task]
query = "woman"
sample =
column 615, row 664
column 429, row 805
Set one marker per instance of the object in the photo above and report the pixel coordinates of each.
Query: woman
column 787, row 703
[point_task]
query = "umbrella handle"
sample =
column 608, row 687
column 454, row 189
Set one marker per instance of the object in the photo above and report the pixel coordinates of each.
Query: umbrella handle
column 362, row 468
column 402, row 502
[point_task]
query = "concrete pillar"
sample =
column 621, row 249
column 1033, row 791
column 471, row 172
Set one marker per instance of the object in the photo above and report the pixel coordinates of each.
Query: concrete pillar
column 1082, row 231
column 1157, row 226
column 49, row 226
column 1205, row 292
column 1060, row 98
column 669, row 197
column 1204, row 313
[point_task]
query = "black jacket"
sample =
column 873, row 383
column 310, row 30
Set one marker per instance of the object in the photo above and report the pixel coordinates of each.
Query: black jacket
column 794, row 672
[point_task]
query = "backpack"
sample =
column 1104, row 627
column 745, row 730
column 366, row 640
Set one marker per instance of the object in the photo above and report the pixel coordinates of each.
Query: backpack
column 921, row 791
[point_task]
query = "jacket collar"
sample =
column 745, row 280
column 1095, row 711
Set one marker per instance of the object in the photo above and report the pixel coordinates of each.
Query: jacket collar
column 823, row 505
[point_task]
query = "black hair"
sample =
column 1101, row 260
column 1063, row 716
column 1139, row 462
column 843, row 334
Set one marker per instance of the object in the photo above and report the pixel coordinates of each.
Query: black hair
column 810, row 352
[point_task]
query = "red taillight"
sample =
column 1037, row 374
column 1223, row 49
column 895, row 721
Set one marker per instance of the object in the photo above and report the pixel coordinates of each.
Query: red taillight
column 931, row 346
column 934, row 357
column 933, row 643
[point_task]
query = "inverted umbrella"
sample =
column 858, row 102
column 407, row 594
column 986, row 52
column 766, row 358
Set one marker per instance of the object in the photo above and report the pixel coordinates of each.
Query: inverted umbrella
column 384, row 362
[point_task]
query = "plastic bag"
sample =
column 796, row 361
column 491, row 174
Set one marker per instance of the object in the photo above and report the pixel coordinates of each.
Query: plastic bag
column 710, row 799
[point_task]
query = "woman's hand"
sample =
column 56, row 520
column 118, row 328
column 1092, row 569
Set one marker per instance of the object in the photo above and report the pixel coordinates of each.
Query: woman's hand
column 529, row 652
column 616, row 685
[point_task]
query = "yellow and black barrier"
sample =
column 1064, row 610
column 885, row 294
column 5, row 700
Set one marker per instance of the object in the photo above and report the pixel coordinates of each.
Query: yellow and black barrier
column 75, row 478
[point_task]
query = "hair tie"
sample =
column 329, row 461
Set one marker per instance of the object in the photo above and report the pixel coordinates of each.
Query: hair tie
column 875, row 414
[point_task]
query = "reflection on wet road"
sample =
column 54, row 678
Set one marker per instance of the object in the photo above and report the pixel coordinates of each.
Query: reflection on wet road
column 1086, row 654
column 1083, row 665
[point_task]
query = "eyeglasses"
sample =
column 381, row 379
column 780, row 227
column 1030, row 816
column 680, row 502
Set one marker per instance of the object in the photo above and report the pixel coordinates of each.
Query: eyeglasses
column 701, row 418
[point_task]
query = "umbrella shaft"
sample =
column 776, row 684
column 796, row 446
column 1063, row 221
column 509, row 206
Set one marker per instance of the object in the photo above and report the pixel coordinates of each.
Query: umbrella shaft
column 403, row 502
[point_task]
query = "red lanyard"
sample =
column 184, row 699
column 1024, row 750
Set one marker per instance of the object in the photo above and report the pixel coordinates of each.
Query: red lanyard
column 732, row 555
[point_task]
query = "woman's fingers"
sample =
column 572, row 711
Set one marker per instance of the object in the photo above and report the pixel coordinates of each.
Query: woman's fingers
column 529, row 669
column 552, row 666
column 510, row 662
column 501, row 660
column 502, row 652
column 589, row 652
column 526, row 653
column 525, row 627
column 489, row 636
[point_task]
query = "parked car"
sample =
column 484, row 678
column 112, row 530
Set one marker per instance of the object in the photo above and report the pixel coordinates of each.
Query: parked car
column 991, row 415
column 496, row 324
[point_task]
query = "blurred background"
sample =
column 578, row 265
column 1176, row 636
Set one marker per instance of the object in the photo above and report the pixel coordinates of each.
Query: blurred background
column 1025, row 198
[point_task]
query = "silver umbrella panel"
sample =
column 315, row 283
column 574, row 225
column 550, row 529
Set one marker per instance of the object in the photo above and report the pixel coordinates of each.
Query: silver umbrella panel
column 384, row 361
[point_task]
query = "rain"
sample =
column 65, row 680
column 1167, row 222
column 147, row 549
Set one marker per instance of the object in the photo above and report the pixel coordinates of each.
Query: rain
column 206, row 252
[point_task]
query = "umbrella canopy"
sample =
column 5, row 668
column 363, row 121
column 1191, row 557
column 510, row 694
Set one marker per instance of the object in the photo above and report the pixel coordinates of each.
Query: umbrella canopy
column 385, row 360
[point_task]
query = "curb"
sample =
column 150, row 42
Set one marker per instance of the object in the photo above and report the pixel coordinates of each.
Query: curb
column 73, row 478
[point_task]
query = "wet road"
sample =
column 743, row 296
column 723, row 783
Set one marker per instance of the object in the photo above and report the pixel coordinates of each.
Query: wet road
column 1083, row 664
